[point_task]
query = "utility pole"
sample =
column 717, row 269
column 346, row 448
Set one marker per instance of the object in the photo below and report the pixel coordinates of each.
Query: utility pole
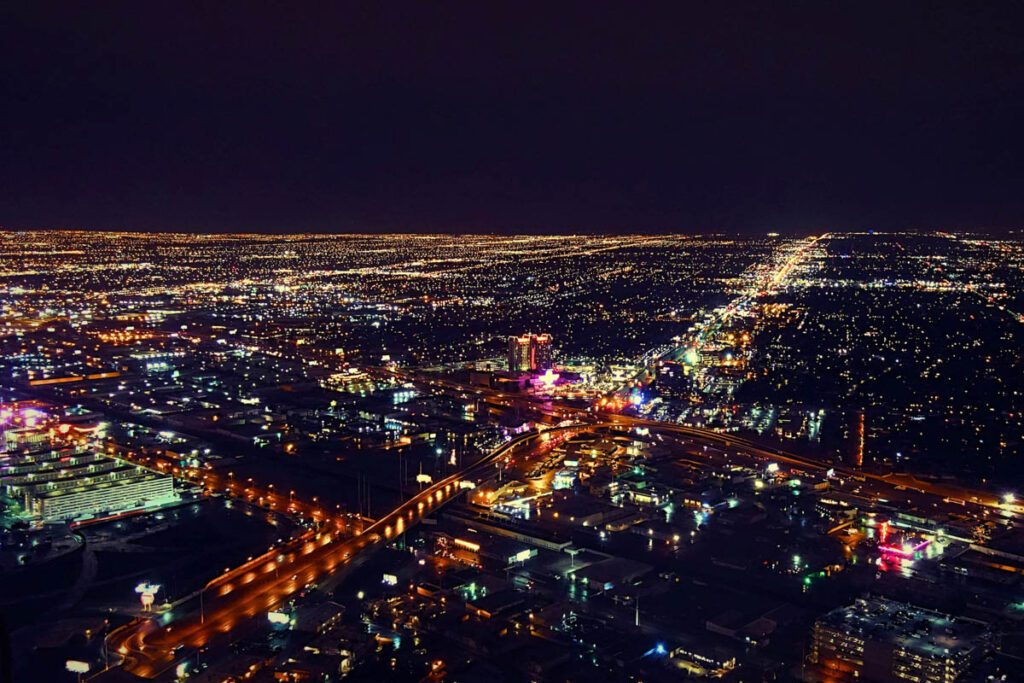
column 359, row 494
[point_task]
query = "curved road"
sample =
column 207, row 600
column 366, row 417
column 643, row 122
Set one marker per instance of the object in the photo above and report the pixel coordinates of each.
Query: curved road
column 147, row 648
column 955, row 493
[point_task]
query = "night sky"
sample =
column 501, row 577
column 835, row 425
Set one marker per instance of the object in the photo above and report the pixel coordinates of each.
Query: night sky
column 478, row 116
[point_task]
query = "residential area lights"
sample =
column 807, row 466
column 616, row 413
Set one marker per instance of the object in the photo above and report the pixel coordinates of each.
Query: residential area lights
column 782, row 435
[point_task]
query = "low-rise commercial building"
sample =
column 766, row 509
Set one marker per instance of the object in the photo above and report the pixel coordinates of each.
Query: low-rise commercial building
column 68, row 484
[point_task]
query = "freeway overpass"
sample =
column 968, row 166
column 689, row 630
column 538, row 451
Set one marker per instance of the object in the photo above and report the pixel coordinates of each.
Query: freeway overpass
column 983, row 499
column 946, row 491
column 148, row 648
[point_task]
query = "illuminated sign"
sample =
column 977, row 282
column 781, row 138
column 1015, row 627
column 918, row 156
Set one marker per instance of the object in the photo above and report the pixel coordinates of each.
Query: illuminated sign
column 522, row 556
column 147, row 594
column 468, row 545
column 549, row 378
column 390, row 580
column 77, row 667
column 278, row 618
column 906, row 550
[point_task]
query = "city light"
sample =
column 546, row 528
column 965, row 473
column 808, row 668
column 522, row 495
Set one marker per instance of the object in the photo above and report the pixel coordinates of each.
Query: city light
column 531, row 442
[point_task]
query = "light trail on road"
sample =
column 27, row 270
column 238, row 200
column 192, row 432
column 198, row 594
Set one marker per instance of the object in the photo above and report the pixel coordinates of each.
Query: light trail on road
column 148, row 649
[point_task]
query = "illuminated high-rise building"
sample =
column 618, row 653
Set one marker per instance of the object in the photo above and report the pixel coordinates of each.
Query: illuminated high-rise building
column 858, row 439
column 529, row 352
column 519, row 353
column 540, row 345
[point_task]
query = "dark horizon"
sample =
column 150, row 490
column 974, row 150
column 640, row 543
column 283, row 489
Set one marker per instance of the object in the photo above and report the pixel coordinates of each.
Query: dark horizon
column 584, row 118
column 981, row 232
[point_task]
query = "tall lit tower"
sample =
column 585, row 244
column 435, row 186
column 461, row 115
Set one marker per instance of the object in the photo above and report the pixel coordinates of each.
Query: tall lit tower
column 858, row 439
column 541, row 352
column 519, row 355
column 529, row 352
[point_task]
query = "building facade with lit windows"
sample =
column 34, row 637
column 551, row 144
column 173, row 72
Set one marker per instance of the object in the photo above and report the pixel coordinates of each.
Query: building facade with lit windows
column 529, row 352
column 78, row 483
column 541, row 344
column 885, row 641
column 519, row 353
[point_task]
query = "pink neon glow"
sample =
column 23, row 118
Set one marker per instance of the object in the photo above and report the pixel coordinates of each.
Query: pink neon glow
column 549, row 378
column 901, row 551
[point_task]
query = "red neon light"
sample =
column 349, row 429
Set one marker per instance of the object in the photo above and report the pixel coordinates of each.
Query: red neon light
column 900, row 551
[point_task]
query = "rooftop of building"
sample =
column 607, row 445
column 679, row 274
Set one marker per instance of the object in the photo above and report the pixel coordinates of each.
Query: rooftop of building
column 918, row 630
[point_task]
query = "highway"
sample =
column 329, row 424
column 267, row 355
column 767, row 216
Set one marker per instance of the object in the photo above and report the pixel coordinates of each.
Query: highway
column 968, row 498
column 892, row 483
column 147, row 649
column 769, row 282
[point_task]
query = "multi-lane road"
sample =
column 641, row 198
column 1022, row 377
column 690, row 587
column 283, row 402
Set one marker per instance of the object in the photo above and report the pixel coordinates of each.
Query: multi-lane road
column 148, row 648
column 962, row 496
column 774, row 276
